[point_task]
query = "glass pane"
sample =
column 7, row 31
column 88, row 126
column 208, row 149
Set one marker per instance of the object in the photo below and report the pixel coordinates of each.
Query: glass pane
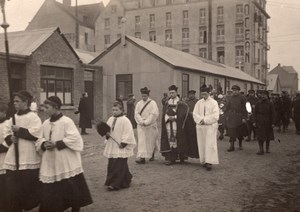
column 68, row 86
column 59, row 86
column 43, row 97
column 61, row 96
column 51, row 86
column 59, row 74
column 43, row 85
column 68, row 74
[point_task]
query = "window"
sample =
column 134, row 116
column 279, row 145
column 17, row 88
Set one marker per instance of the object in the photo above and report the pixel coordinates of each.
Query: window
column 227, row 85
column 220, row 17
column 152, row 36
column 185, row 18
column 220, row 33
column 152, row 21
column 56, row 81
column 239, row 57
column 203, row 52
column 216, row 84
column 239, row 32
column 168, row 2
column 239, row 12
column 137, row 23
column 137, row 35
column 123, row 85
column 185, row 84
column 119, row 21
column 168, row 19
column 221, row 54
column 245, row 87
column 258, row 73
column 202, row 81
column 86, row 38
column 169, row 38
column 18, row 76
column 247, row 22
column 113, row 9
column 202, row 35
column 202, row 17
column 106, row 39
column 107, row 23
column 185, row 35
column 247, row 12
column 247, row 34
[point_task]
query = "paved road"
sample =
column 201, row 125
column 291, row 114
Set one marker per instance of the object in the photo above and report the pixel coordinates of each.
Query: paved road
column 242, row 182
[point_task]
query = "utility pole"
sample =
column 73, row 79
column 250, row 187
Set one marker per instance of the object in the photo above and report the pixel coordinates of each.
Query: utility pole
column 77, row 26
column 209, row 30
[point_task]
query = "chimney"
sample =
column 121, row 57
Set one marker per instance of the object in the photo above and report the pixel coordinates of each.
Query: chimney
column 278, row 64
column 123, row 35
column 67, row 2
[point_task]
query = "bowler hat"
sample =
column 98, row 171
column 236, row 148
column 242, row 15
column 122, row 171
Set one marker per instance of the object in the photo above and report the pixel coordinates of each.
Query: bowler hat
column 191, row 92
column 204, row 88
column 235, row 87
column 173, row 88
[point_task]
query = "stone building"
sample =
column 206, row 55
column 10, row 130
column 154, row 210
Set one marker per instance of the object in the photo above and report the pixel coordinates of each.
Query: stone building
column 130, row 64
column 45, row 64
column 232, row 32
column 63, row 15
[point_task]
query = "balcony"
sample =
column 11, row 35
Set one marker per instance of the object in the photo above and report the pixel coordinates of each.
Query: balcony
column 239, row 60
column 152, row 25
column 185, row 41
column 168, row 24
column 202, row 21
column 220, row 38
column 137, row 27
column 239, row 17
column 168, row 43
column 256, row 61
column 239, row 37
column 185, row 22
column 220, row 19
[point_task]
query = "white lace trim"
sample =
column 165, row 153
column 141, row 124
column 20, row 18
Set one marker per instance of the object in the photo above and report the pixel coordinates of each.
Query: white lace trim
column 119, row 155
column 3, row 171
column 56, row 178
column 21, row 166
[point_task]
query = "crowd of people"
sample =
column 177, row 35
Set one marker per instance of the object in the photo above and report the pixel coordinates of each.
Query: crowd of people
column 40, row 163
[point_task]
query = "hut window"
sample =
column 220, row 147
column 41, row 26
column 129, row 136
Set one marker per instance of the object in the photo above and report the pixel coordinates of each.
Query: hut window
column 185, row 84
column 124, row 85
column 57, row 81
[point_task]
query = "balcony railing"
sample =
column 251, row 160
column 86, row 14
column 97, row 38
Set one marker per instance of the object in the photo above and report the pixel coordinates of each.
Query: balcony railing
column 202, row 21
column 239, row 37
column 239, row 16
column 185, row 41
column 256, row 60
column 220, row 38
column 220, row 19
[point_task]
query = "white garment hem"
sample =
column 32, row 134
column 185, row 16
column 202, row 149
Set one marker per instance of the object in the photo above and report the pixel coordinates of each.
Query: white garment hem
column 59, row 177
column 13, row 167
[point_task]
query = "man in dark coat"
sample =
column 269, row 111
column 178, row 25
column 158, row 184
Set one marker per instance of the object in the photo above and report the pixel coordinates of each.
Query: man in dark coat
column 264, row 120
column 286, row 110
column 276, row 100
column 131, row 109
column 236, row 116
column 190, row 126
column 252, row 100
column 173, row 137
column 85, row 116
column 296, row 112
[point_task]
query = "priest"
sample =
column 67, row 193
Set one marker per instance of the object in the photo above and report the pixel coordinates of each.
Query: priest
column 206, row 116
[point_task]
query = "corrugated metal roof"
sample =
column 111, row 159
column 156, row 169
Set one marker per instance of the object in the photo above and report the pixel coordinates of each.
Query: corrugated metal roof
column 184, row 60
column 272, row 81
column 24, row 43
column 86, row 56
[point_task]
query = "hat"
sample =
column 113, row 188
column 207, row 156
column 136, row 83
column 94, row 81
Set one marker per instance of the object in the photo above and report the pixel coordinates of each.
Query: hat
column 204, row 88
column 130, row 95
column 263, row 92
column 145, row 90
column 235, row 87
column 274, row 94
column 54, row 101
column 24, row 95
column 191, row 92
column 173, row 88
column 251, row 91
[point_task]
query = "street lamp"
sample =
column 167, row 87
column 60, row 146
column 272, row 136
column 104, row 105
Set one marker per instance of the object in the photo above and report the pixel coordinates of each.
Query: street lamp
column 5, row 25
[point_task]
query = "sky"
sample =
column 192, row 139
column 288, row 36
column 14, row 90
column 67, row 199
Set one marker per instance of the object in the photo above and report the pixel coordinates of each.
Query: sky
column 284, row 35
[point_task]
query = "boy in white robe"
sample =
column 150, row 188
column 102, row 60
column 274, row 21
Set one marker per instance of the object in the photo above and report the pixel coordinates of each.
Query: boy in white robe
column 61, row 173
column 22, row 172
column 146, row 114
column 118, row 174
column 3, row 150
column 206, row 116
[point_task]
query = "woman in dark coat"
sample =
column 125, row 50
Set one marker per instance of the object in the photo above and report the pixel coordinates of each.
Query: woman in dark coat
column 85, row 117
column 264, row 121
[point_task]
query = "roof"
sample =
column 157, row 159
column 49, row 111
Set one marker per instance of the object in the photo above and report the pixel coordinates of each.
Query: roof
column 182, row 60
column 272, row 81
column 25, row 43
column 279, row 68
column 91, row 11
column 86, row 56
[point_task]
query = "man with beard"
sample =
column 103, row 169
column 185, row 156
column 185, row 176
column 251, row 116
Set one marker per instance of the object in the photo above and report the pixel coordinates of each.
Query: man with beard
column 173, row 136
column 252, row 100
column 236, row 116
column 264, row 121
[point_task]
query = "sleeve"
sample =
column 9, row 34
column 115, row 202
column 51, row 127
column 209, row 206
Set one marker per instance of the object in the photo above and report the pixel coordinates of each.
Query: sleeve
column 24, row 133
column 34, row 129
column 214, row 116
column 138, row 118
column 196, row 114
column 72, row 137
column 39, row 144
column 7, row 132
column 153, row 114
column 127, row 136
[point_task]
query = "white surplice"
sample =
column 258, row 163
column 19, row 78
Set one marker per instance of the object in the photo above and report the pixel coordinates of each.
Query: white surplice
column 2, row 155
column 146, row 128
column 122, row 131
column 208, row 111
column 57, row 165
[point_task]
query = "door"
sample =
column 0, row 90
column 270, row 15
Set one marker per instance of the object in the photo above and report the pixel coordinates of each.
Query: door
column 89, row 88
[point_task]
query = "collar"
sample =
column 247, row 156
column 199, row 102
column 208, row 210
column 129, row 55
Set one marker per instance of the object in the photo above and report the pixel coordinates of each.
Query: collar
column 23, row 112
column 55, row 117
column 117, row 116
column 3, row 120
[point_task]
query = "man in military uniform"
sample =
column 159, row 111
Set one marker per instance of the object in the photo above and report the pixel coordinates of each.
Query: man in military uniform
column 236, row 116
column 296, row 112
column 252, row 100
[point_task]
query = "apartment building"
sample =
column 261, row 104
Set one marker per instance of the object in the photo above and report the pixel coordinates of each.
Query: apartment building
column 232, row 32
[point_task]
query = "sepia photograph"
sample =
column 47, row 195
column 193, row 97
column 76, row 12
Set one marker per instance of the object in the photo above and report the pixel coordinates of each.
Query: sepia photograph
column 150, row 105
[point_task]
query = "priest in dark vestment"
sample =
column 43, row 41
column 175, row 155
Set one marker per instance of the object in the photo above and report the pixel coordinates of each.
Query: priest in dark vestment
column 131, row 109
column 190, row 126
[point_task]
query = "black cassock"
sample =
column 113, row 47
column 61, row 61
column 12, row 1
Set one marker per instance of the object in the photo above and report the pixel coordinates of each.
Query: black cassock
column 186, row 143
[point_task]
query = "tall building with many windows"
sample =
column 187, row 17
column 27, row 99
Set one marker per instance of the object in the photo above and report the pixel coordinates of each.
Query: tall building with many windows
column 233, row 32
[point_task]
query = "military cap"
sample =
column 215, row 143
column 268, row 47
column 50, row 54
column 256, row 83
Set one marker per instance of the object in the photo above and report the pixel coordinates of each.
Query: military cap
column 173, row 88
column 191, row 92
column 235, row 87
column 204, row 88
